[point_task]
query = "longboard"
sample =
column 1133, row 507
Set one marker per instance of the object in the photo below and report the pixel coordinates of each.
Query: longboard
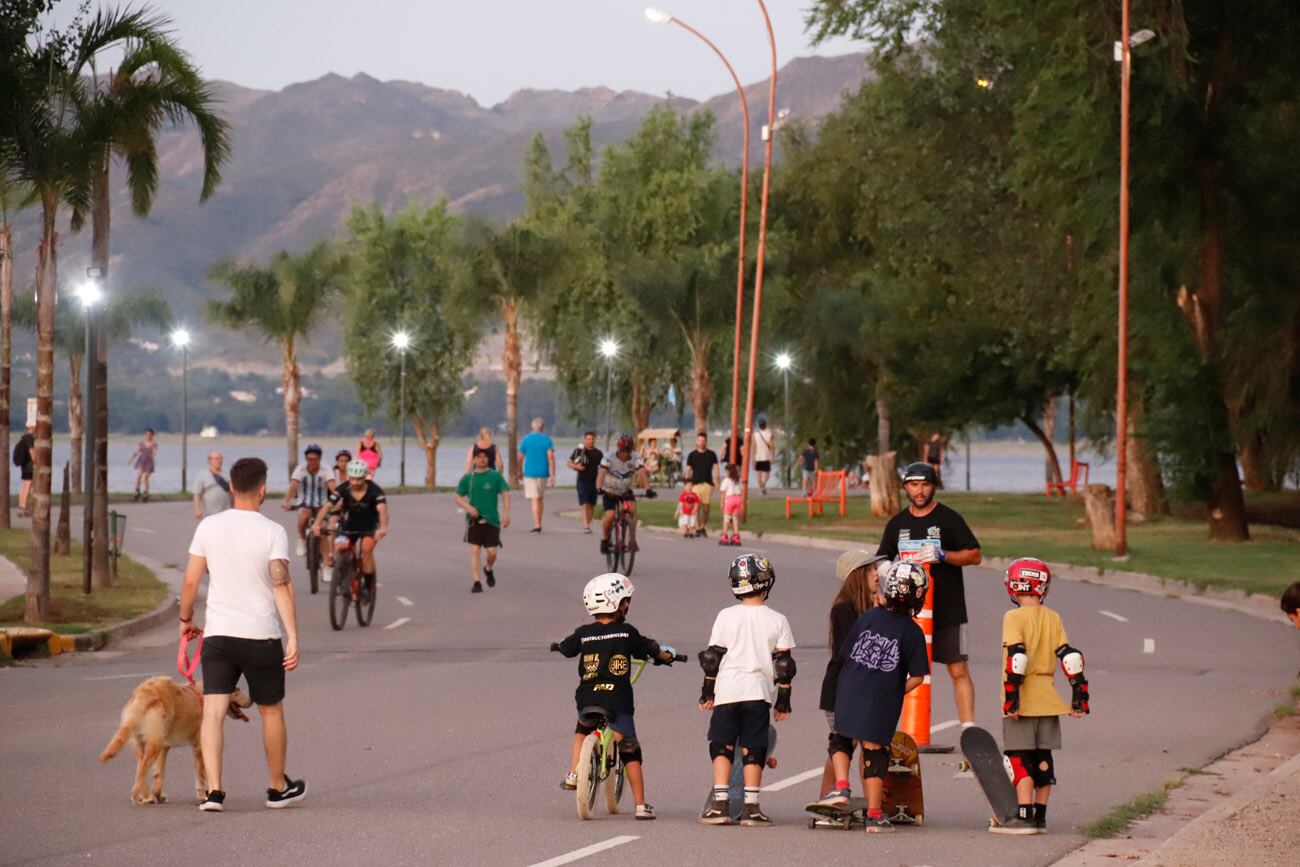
column 850, row 815
column 904, row 798
column 981, row 750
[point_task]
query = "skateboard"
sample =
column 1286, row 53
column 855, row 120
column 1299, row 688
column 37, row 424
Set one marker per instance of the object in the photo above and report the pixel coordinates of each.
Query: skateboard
column 736, row 784
column 904, row 798
column 986, row 761
column 850, row 815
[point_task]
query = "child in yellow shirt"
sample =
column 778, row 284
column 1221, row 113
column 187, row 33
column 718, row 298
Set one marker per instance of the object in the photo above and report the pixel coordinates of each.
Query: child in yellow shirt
column 1033, row 639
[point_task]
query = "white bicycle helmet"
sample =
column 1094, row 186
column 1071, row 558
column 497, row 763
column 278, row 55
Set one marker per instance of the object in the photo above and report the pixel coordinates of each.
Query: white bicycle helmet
column 358, row 469
column 603, row 593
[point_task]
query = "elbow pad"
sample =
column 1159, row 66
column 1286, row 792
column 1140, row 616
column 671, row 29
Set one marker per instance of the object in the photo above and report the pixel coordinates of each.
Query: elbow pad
column 710, row 661
column 1072, row 664
column 1017, row 665
column 785, row 669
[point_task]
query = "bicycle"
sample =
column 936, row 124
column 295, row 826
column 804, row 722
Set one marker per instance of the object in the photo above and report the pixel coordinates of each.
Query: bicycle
column 348, row 587
column 313, row 554
column 621, row 554
column 599, row 763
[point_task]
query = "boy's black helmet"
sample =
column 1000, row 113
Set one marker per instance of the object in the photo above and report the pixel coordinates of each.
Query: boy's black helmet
column 920, row 472
column 905, row 585
column 751, row 573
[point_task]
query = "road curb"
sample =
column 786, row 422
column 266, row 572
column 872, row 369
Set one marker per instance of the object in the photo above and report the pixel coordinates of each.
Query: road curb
column 101, row 638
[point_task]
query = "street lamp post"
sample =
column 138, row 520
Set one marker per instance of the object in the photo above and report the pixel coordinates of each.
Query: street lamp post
column 401, row 340
column 181, row 339
column 91, row 294
column 783, row 363
column 663, row 18
column 609, row 349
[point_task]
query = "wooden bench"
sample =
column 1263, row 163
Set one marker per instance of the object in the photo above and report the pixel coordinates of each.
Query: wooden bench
column 831, row 486
column 1075, row 483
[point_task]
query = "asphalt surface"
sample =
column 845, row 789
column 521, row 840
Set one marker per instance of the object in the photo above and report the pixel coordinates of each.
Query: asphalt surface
column 444, row 737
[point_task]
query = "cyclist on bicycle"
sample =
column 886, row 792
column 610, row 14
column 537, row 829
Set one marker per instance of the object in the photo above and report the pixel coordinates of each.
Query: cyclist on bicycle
column 618, row 474
column 308, row 489
column 363, row 515
column 608, row 647
column 339, row 472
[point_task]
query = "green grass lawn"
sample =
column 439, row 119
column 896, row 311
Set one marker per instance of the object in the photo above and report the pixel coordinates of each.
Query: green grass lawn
column 1015, row 525
column 134, row 591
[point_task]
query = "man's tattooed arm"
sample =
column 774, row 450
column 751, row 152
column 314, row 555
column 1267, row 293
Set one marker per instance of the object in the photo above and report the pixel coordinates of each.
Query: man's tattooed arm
column 280, row 572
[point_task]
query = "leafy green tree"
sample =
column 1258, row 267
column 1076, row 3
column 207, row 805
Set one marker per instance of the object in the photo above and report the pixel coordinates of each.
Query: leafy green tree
column 402, row 273
column 282, row 303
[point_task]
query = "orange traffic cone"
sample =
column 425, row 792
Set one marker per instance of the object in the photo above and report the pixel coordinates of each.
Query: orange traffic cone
column 916, row 704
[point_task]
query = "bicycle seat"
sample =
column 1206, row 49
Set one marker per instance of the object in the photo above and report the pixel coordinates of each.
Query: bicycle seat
column 594, row 715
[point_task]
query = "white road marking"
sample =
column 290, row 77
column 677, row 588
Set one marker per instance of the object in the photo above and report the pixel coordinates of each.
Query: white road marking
column 121, row 676
column 142, row 530
column 1148, row 645
column 578, row 854
column 938, row 727
column 398, row 622
column 792, row 781
column 1113, row 616
column 407, row 602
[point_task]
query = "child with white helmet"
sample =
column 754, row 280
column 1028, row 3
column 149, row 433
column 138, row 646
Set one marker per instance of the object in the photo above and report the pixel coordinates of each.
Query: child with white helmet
column 607, row 647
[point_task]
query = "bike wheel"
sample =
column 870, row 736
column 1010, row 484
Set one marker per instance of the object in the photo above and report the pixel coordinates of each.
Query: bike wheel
column 340, row 593
column 629, row 553
column 588, row 775
column 313, row 562
column 614, row 784
column 366, row 602
column 614, row 554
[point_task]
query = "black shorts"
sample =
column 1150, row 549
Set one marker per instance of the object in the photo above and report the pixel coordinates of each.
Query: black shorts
column 483, row 534
column 740, row 724
column 763, row 466
column 259, row 660
column 949, row 644
column 586, row 492
column 611, row 501
column 26, row 472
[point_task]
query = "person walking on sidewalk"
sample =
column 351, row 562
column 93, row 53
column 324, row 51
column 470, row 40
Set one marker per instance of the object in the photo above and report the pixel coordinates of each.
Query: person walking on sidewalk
column 143, row 461
column 477, row 494
column 25, row 464
column 585, row 460
column 484, row 443
column 537, row 462
column 702, row 476
column 930, row 532
column 762, row 443
column 211, row 490
column 251, row 627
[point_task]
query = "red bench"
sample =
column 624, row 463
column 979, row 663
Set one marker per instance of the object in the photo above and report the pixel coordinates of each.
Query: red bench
column 1077, row 469
column 831, row 486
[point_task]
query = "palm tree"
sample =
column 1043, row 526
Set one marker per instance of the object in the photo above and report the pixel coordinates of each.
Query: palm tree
column 14, row 197
column 122, row 316
column 281, row 303
column 155, row 86
column 44, row 144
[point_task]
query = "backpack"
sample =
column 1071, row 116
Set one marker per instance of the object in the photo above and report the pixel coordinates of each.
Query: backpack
column 22, row 454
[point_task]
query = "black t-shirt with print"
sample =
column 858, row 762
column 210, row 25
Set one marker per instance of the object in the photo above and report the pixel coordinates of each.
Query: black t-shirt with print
column 949, row 528
column 590, row 460
column 605, row 652
column 881, row 651
column 702, row 464
column 358, row 515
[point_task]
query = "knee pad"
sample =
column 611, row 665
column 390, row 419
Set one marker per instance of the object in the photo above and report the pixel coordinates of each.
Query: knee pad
column 875, row 763
column 838, row 743
column 720, row 750
column 629, row 750
column 754, row 756
column 583, row 729
column 1020, row 762
column 1043, row 769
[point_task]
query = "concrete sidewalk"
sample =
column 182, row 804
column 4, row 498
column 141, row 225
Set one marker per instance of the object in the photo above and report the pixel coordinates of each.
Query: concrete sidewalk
column 1243, row 809
column 13, row 581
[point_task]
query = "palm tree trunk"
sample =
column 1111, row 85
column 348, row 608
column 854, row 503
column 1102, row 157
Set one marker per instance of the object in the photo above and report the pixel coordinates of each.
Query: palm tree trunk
column 37, row 607
column 291, row 383
column 429, row 436
column 511, row 367
column 702, row 386
column 100, row 573
column 883, row 432
column 76, row 415
column 6, row 356
column 641, row 408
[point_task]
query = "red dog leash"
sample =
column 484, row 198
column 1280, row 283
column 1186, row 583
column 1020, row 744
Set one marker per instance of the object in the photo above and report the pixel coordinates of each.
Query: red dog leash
column 186, row 666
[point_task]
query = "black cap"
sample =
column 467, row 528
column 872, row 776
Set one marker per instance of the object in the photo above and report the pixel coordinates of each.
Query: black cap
column 920, row 472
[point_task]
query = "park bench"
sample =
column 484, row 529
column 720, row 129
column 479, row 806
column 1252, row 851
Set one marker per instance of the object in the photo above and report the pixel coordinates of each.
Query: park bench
column 831, row 486
column 1077, row 469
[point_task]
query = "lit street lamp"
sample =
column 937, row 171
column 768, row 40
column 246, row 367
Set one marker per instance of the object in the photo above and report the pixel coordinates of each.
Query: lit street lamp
column 608, row 349
column 402, row 340
column 90, row 293
column 784, row 361
column 181, row 340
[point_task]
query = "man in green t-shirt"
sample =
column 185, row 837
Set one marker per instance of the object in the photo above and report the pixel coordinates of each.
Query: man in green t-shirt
column 482, row 487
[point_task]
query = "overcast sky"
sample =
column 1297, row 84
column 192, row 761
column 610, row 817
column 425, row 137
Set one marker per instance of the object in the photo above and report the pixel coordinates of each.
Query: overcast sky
column 488, row 48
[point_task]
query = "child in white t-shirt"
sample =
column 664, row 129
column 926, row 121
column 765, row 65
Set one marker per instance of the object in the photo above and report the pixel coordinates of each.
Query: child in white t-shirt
column 747, row 674
column 731, row 497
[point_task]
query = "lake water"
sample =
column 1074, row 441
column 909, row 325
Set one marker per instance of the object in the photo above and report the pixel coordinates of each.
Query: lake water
column 995, row 466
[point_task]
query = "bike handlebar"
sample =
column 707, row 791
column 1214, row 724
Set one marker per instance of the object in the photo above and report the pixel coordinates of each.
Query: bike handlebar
column 679, row 657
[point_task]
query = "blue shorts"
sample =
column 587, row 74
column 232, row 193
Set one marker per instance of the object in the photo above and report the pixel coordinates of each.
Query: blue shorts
column 621, row 722
column 586, row 492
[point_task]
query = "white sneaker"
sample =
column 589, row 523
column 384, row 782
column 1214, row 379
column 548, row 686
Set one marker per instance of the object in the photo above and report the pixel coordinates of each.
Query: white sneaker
column 301, row 548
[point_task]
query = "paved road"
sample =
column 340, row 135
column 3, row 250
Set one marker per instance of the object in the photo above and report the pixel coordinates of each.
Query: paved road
column 443, row 738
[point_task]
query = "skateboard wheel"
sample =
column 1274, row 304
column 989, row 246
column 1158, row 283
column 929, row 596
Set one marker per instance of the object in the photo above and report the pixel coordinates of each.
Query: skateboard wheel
column 812, row 823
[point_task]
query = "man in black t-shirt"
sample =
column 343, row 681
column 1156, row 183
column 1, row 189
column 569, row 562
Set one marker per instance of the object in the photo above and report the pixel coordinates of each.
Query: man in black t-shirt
column 930, row 532
column 585, row 460
column 702, row 475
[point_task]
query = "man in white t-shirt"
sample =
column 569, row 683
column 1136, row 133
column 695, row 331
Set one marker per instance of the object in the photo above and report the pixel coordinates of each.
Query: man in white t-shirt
column 748, row 671
column 251, row 626
column 762, row 454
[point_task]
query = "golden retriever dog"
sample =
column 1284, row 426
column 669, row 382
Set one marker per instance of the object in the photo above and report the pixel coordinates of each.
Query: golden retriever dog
column 162, row 714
